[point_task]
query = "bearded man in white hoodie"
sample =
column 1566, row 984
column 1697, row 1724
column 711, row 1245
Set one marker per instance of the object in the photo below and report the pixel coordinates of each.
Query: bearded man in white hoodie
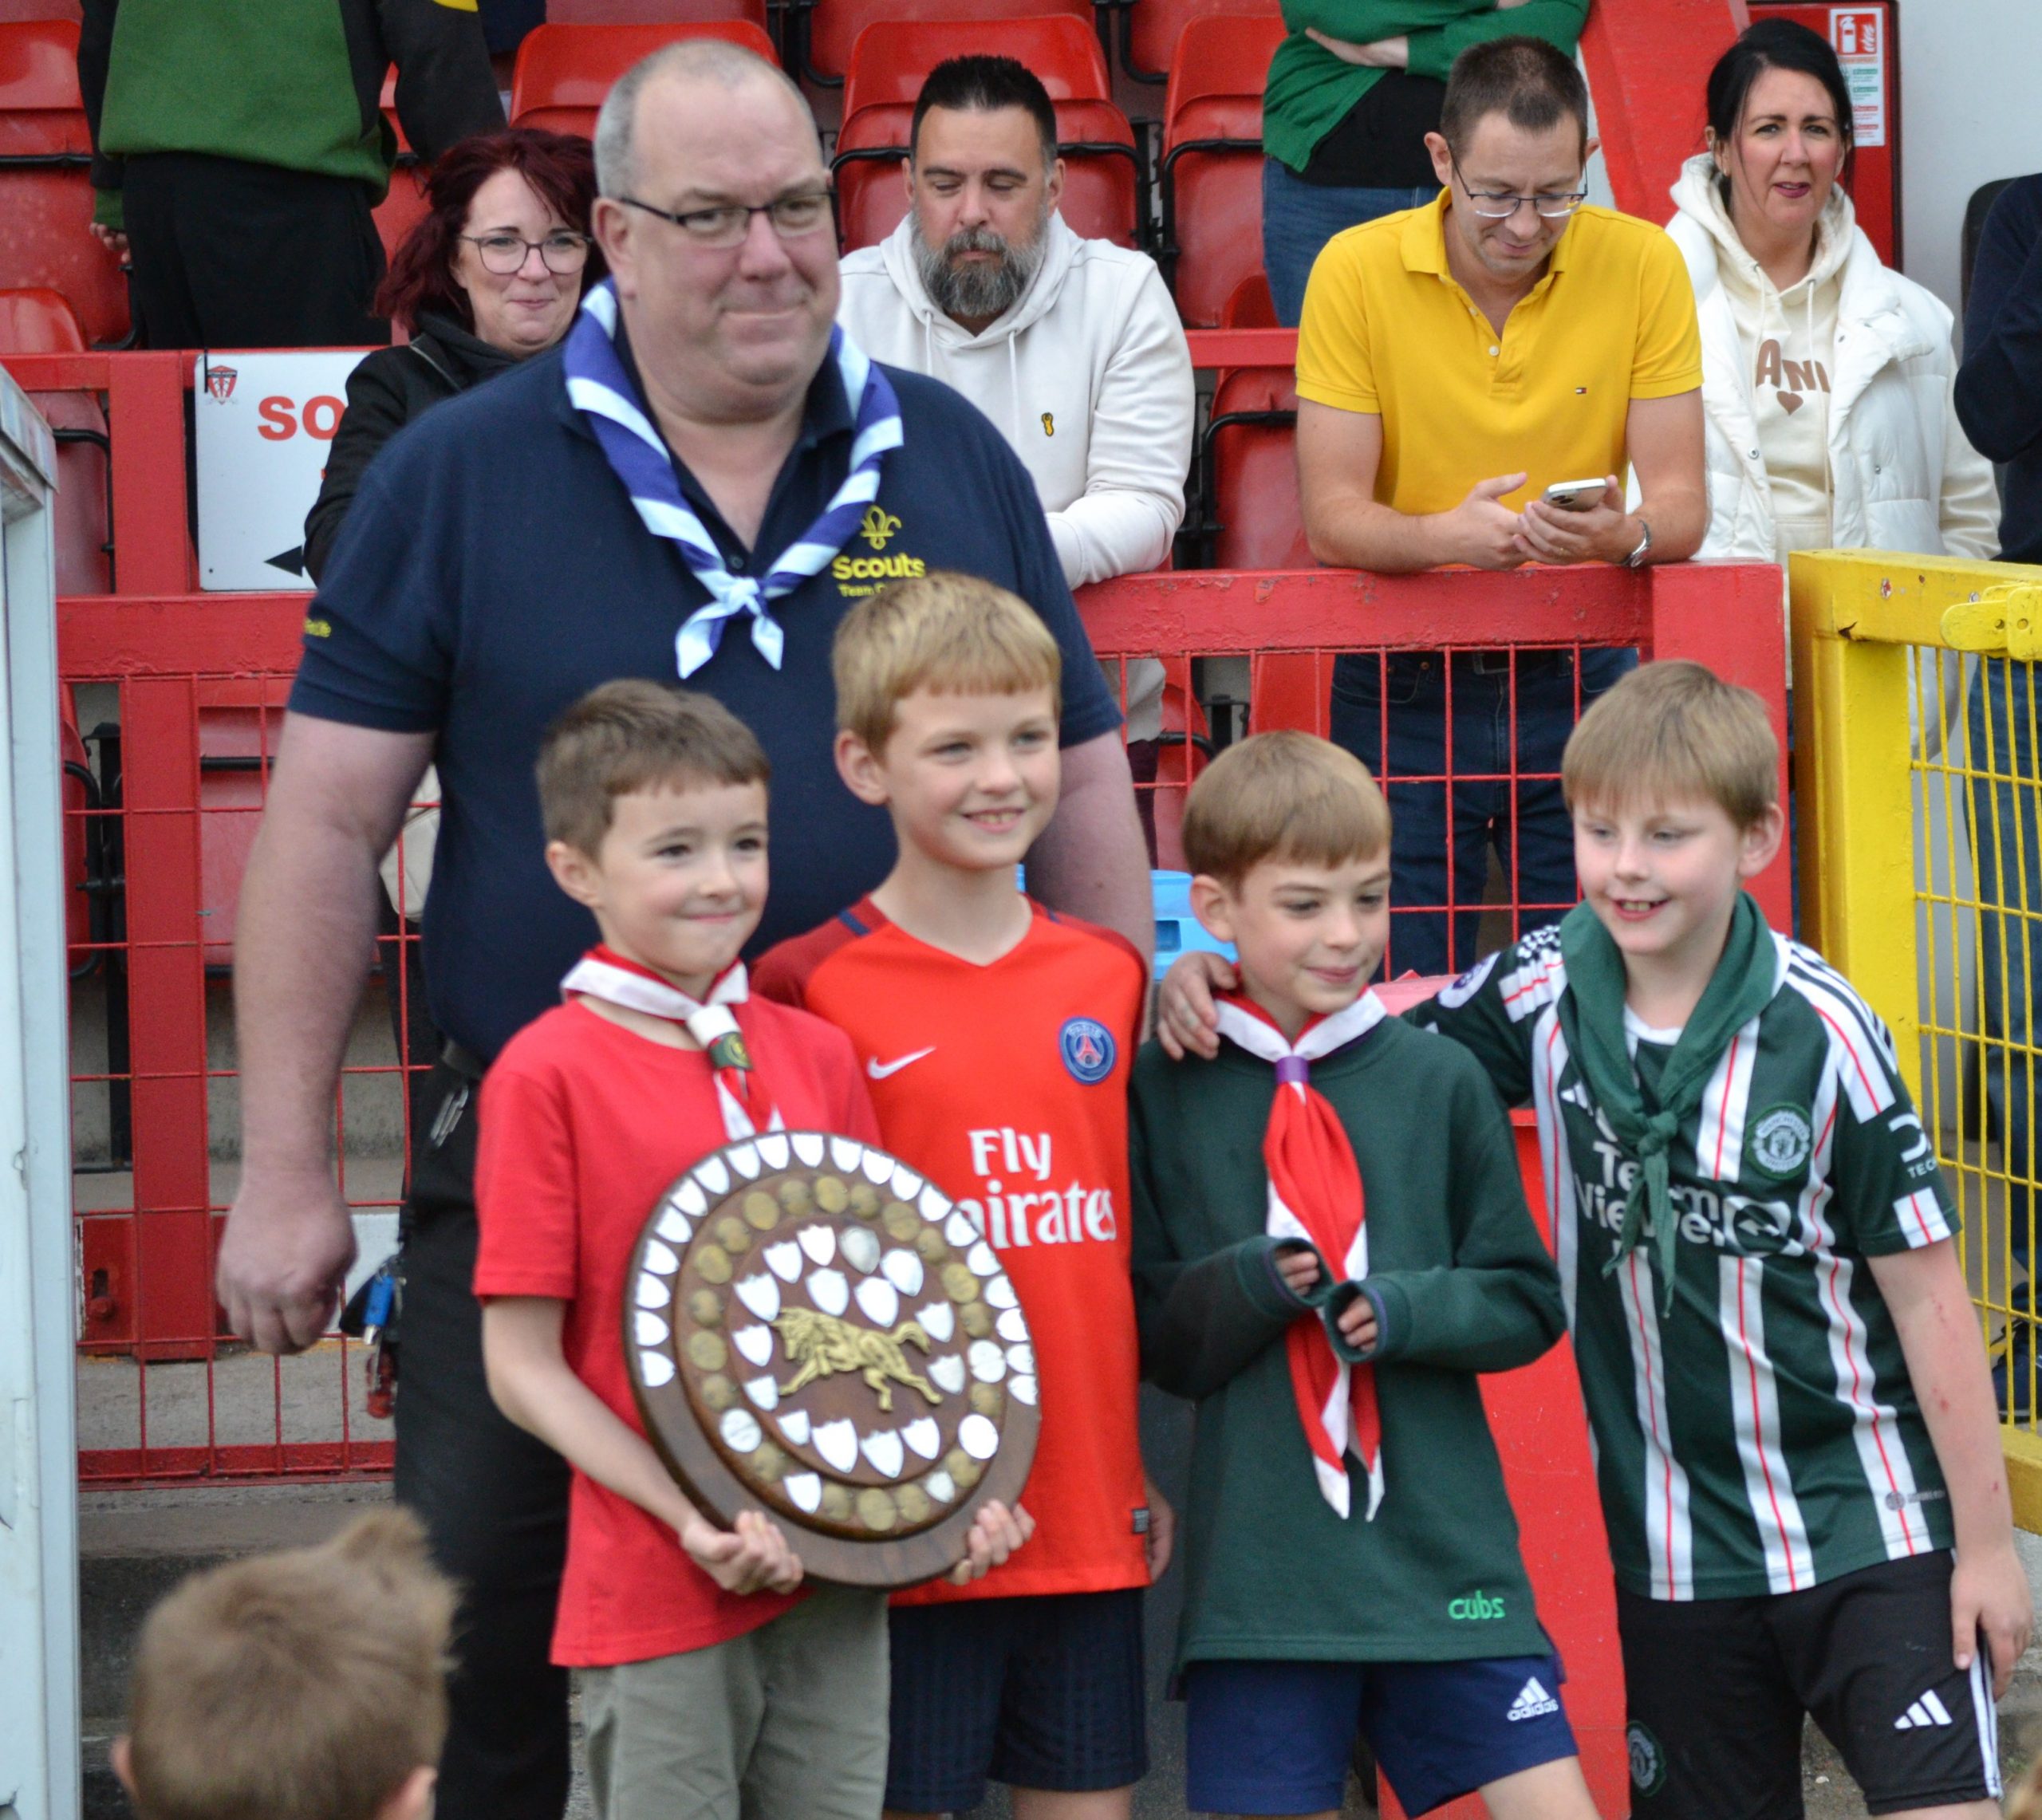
column 1071, row 346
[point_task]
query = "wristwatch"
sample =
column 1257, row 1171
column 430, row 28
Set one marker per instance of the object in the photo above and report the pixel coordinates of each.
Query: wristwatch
column 1636, row 559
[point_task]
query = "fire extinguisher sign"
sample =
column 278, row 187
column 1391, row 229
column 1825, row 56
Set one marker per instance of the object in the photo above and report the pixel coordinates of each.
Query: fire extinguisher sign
column 1858, row 35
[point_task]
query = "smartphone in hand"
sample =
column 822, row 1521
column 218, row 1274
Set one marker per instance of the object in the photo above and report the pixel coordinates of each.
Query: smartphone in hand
column 1577, row 495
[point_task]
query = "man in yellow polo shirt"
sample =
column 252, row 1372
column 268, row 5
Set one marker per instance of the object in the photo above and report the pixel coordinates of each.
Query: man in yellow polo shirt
column 1454, row 362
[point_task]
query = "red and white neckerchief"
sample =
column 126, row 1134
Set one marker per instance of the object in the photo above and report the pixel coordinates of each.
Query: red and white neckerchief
column 747, row 1107
column 1315, row 1193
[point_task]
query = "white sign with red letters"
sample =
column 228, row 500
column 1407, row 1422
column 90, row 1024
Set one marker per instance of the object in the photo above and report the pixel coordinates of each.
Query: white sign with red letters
column 264, row 422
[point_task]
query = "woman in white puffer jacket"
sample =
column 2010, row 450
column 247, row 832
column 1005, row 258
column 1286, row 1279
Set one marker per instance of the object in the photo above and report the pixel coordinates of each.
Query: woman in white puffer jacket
column 1826, row 375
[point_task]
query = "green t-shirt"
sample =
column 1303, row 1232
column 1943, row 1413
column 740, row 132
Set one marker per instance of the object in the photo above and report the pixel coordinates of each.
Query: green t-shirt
column 1311, row 90
column 1764, row 1436
column 1464, row 1285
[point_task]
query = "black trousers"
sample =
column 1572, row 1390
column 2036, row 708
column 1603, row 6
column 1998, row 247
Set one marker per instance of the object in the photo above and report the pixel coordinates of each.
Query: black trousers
column 231, row 254
column 492, row 1497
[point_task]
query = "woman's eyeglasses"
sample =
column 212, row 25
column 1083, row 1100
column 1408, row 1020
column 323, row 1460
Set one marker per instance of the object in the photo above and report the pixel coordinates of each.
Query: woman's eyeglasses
column 504, row 254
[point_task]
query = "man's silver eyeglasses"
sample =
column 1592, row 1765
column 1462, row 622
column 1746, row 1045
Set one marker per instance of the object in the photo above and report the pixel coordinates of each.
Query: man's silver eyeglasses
column 564, row 252
column 1499, row 205
column 807, row 212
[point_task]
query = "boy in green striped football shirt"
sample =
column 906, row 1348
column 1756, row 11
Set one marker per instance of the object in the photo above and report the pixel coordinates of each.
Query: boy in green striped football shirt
column 1796, row 1444
column 1793, row 1419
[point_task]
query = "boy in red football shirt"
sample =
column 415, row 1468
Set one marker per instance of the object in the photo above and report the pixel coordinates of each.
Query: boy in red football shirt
column 996, row 1039
column 709, row 1684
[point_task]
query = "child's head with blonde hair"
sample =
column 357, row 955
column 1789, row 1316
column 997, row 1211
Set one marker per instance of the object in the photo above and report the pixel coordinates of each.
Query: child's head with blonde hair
column 1675, row 732
column 949, row 633
column 309, row 1684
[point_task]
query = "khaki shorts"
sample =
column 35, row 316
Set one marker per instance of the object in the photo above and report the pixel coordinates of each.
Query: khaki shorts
column 788, row 1720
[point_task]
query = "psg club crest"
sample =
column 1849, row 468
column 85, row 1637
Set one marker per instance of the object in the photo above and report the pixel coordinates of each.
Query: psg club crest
column 220, row 382
column 1088, row 1049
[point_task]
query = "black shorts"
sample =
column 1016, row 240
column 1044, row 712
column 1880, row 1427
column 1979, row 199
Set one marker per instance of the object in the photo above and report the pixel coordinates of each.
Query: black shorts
column 1039, row 1691
column 1717, row 1689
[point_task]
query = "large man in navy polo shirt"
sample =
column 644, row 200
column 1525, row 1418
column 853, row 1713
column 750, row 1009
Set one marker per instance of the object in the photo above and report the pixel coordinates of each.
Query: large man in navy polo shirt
column 494, row 568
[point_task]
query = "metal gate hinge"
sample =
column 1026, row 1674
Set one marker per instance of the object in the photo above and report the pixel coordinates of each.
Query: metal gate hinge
column 2004, row 620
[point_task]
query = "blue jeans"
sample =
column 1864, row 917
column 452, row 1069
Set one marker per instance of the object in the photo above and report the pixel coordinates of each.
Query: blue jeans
column 1447, row 809
column 1298, row 219
column 2006, row 845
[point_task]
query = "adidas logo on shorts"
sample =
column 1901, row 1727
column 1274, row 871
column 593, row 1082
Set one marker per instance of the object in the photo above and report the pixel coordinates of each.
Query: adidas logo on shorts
column 1926, row 1711
column 1534, row 1702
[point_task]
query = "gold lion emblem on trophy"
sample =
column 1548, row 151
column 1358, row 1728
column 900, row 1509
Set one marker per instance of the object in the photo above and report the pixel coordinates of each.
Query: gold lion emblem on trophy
column 823, row 1344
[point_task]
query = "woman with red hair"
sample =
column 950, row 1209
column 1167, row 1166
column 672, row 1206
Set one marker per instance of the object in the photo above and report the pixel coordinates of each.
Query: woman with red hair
column 492, row 275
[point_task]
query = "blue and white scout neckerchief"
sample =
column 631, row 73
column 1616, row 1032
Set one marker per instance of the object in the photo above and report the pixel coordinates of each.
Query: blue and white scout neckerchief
column 599, row 386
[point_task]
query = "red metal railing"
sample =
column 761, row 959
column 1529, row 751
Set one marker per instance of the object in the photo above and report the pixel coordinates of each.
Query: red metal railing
column 197, row 682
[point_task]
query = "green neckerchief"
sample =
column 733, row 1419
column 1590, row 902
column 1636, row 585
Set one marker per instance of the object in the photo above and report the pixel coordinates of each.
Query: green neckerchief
column 1591, row 1015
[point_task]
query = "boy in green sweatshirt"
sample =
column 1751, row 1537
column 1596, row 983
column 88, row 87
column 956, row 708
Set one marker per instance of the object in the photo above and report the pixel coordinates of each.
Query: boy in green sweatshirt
column 1330, row 1242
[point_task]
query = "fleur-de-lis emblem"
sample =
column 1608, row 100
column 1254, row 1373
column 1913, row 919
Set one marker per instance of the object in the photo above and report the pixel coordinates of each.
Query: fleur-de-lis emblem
column 879, row 525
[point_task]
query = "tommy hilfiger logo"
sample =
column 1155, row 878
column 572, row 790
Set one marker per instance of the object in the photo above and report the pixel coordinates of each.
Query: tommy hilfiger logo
column 1532, row 1702
column 1926, row 1711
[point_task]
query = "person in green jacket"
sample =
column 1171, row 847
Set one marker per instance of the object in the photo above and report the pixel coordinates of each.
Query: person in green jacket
column 1330, row 1242
column 239, row 147
column 1353, row 91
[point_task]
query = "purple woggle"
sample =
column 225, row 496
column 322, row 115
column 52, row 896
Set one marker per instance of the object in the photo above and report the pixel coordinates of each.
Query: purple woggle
column 1293, row 1071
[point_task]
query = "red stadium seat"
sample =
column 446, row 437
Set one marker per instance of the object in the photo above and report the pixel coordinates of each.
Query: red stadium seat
column 563, row 72
column 41, row 322
column 1251, row 464
column 890, row 63
column 1251, row 306
column 832, row 28
column 653, row 12
column 45, row 191
column 1149, row 30
column 1212, row 160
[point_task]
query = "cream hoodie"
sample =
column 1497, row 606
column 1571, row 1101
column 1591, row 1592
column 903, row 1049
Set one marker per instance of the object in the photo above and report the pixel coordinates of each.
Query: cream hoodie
column 1088, row 376
column 1830, row 419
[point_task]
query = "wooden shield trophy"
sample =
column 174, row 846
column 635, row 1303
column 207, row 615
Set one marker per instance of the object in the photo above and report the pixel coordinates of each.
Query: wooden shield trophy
column 814, row 1331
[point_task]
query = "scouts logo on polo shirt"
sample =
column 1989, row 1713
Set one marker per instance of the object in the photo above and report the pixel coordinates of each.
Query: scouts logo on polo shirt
column 1780, row 1141
column 1088, row 1049
column 859, row 575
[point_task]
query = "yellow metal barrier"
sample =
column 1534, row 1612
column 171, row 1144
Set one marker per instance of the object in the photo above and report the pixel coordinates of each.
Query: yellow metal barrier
column 1918, row 795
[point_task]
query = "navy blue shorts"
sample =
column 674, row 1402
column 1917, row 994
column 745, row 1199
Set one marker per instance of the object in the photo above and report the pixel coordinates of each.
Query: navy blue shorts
column 1276, row 1737
column 1044, row 1690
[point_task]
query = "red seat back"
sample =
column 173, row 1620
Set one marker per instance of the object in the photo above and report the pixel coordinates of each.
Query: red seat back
column 563, row 72
column 1154, row 27
column 1254, row 471
column 1212, row 193
column 1099, row 195
column 834, row 26
column 893, row 57
column 1250, row 305
column 39, row 320
column 45, row 193
column 653, row 12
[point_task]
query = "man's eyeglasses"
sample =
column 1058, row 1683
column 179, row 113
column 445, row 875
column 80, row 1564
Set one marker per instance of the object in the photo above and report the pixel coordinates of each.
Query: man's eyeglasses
column 726, row 225
column 1499, row 205
column 563, row 253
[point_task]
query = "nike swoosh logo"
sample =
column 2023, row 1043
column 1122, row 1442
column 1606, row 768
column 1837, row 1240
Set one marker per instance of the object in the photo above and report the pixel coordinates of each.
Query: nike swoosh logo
column 879, row 1070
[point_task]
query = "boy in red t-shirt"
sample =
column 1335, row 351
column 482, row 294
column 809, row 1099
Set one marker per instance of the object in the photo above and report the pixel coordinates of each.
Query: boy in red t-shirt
column 996, row 1039
column 709, row 1685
